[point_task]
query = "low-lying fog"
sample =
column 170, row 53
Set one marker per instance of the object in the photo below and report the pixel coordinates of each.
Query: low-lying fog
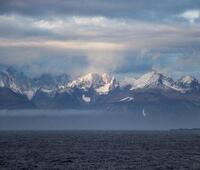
column 90, row 119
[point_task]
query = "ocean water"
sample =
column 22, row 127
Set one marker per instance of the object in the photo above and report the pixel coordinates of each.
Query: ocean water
column 102, row 150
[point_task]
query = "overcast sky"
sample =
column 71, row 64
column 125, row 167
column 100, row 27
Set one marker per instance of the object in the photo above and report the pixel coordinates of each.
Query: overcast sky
column 116, row 36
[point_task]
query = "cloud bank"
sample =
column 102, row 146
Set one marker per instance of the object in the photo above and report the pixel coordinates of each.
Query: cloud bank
column 120, row 37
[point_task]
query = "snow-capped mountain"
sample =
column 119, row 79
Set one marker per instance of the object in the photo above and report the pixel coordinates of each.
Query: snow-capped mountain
column 151, row 91
column 102, row 84
column 21, row 83
column 153, row 80
column 188, row 84
column 18, row 82
column 7, row 80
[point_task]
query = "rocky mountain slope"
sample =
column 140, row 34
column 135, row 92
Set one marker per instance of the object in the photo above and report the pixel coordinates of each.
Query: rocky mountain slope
column 151, row 93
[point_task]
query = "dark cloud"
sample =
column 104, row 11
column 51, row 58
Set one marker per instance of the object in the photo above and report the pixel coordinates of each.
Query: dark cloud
column 143, row 9
column 117, row 36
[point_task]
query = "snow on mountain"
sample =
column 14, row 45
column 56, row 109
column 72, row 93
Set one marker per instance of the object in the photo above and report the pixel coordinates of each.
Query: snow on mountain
column 89, row 88
column 6, row 80
column 127, row 99
column 18, row 82
column 29, row 93
column 188, row 83
column 127, row 81
column 49, row 81
column 46, row 90
column 153, row 80
column 86, row 99
column 88, row 81
column 20, row 79
column 102, row 84
column 187, row 79
column 144, row 113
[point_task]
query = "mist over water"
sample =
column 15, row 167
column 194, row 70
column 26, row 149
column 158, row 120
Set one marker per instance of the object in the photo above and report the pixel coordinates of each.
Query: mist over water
column 91, row 120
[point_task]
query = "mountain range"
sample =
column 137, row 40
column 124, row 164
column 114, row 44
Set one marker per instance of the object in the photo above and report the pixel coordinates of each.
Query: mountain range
column 152, row 93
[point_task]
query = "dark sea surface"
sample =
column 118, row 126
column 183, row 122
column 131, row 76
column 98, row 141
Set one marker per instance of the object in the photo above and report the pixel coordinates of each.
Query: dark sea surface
column 88, row 150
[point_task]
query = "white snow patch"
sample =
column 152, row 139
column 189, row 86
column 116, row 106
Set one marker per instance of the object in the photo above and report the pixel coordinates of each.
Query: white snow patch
column 2, row 83
column 46, row 90
column 103, row 89
column 144, row 113
column 86, row 99
column 29, row 94
column 61, row 87
column 187, row 79
column 103, row 84
column 128, row 99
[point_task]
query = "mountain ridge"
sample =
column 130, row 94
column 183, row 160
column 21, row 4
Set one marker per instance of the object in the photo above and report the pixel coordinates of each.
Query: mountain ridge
column 152, row 91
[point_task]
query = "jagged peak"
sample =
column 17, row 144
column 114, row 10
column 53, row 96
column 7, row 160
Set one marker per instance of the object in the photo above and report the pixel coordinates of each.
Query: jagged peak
column 188, row 84
column 154, row 75
column 187, row 79
column 91, row 77
column 153, row 79
column 102, row 83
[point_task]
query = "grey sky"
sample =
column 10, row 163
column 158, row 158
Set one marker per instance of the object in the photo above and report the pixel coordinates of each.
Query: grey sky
column 116, row 36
